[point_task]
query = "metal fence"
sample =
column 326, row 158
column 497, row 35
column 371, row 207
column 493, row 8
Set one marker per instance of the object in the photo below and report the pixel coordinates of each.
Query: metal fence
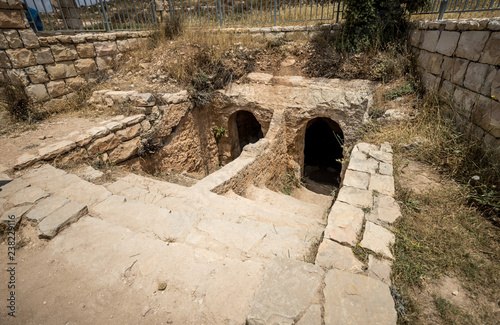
column 442, row 7
column 255, row 12
column 90, row 15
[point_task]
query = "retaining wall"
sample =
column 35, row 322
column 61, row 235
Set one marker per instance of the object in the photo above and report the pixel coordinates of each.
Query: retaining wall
column 52, row 67
column 460, row 60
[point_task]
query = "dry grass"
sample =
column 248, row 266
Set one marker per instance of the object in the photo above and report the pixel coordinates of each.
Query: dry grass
column 441, row 232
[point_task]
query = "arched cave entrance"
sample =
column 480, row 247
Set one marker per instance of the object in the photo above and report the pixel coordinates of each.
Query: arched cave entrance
column 246, row 129
column 322, row 154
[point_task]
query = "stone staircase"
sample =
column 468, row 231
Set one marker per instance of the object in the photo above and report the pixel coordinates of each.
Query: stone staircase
column 224, row 259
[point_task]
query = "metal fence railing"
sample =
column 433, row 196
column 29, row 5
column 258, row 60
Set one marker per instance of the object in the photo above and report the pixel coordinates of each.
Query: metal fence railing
column 90, row 15
column 457, row 7
column 220, row 13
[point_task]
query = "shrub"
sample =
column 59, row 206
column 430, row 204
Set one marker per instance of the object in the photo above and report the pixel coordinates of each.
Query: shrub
column 17, row 103
column 374, row 23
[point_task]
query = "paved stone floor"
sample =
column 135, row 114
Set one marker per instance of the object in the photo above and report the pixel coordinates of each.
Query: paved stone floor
column 139, row 250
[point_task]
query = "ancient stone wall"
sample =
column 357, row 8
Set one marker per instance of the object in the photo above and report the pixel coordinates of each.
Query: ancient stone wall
column 52, row 67
column 460, row 60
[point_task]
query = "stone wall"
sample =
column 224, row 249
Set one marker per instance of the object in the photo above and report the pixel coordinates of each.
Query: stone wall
column 460, row 60
column 115, row 142
column 52, row 67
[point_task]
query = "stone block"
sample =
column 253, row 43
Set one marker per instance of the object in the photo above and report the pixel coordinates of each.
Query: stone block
column 29, row 38
column 9, row 189
column 378, row 239
column 312, row 316
column 57, row 88
column 37, row 74
column 471, row 44
column 43, row 55
column 382, row 184
column 26, row 159
column 37, row 93
column 61, row 70
column 447, row 43
column 356, row 179
column 176, row 98
column 495, row 86
column 434, row 64
column 354, row 196
column 451, row 25
column 415, row 37
column 430, row 40
column 379, row 269
column 464, row 100
column 103, row 144
column 105, row 48
column 21, row 58
column 75, row 83
column 491, row 50
column 86, row 50
column 114, row 126
column 447, row 67
column 64, row 52
column 124, row 151
column 475, row 76
column 134, row 119
column 45, row 208
column 105, row 62
column 98, row 132
column 430, row 81
column 123, row 45
column 4, row 44
column 17, row 212
column 488, row 81
column 385, row 210
column 4, row 60
column 13, row 38
column 143, row 100
column 28, row 195
column 344, row 223
column 486, row 114
column 18, row 77
column 62, row 217
column 56, row 149
column 357, row 299
column 288, row 289
column 12, row 19
column 128, row 133
column 332, row 255
column 84, row 66
column 458, row 72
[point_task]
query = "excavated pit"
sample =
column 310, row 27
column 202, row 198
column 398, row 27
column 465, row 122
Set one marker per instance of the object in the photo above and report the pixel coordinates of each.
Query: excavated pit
column 259, row 132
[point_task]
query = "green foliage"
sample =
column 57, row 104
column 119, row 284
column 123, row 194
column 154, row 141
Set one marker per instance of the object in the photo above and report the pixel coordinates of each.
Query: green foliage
column 405, row 89
column 219, row 132
column 374, row 23
column 289, row 182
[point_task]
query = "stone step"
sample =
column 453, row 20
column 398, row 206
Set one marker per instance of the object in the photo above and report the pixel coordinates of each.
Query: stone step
column 207, row 204
column 72, row 187
column 303, row 194
column 285, row 203
column 199, row 286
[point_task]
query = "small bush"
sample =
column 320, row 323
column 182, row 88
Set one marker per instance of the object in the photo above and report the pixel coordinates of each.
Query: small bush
column 17, row 103
column 405, row 89
column 173, row 26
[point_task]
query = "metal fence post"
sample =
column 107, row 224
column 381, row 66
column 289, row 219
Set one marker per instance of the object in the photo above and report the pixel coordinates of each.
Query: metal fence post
column 220, row 13
column 442, row 8
column 105, row 14
column 275, row 12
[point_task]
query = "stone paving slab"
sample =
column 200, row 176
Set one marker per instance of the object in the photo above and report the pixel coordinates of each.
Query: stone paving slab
column 379, row 269
column 357, row 299
column 355, row 196
column 332, row 255
column 312, row 316
column 45, row 208
column 378, row 239
column 18, row 212
column 289, row 288
column 385, row 210
column 344, row 223
column 356, row 179
column 12, row 187
column 28, row 195
column 383, row 184
column 65, row 215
